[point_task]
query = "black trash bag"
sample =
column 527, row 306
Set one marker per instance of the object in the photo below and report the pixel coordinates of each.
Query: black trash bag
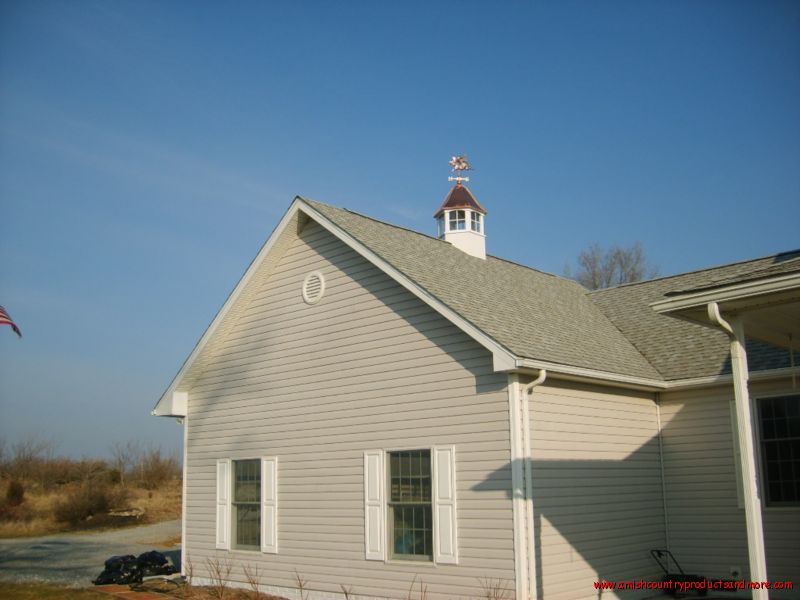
column 154, row 563
column 125, row 573
column 127, row 569
column 115, row 563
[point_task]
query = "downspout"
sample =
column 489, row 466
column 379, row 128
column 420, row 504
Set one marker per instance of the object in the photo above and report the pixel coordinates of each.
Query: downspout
column 661, row 464
column 752, row 501
column 528, row 459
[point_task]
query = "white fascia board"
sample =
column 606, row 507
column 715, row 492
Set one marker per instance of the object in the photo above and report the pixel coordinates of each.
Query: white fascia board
column 701, row 382
column 503, row 359
column 590, row 375
column 739, row 291
column 163, row 407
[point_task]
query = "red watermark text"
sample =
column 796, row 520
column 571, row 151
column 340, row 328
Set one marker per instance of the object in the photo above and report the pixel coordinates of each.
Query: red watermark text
column 688, row 586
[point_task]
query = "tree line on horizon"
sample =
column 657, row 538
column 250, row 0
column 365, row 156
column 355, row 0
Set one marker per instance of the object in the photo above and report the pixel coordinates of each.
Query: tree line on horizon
column 600, row 267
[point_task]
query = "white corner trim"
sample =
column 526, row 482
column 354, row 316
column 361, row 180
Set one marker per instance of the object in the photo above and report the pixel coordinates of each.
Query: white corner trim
column 521, row 578
column 184, row 549
column 502, row 356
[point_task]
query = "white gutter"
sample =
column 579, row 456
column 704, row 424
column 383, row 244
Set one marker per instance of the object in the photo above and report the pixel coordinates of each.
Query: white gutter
column 528, row 459
column 591, row 375
column 752, row 501
column 740, row 291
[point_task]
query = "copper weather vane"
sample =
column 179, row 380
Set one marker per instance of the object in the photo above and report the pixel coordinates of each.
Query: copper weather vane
column 459, row 164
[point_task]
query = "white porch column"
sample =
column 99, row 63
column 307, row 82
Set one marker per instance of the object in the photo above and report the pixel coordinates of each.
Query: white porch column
column 744, row 420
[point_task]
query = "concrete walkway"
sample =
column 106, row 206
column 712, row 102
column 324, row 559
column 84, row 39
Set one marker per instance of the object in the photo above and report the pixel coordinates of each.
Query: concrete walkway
column 76, row 558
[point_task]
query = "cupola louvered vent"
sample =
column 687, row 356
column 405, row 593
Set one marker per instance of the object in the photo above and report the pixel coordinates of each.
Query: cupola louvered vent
column 313, row 287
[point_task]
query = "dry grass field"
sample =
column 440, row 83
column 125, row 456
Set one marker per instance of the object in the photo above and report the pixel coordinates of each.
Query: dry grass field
column 128, row 506
column 42, row 494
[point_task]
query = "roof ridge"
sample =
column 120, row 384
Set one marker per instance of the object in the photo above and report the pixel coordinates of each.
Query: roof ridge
column 353, row 212
column 693, row 271
column 436, row 239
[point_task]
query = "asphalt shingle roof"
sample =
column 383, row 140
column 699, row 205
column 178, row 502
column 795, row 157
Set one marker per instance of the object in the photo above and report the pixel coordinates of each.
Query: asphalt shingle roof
column 680, row 349
column 534, row 314
column 541, row 316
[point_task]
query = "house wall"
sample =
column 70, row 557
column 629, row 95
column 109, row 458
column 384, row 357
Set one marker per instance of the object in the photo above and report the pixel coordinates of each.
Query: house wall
column 597, row 493
column 707, row 530
column 368, row 367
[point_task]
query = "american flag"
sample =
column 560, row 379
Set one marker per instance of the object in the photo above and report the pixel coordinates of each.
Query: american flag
column 5, row 319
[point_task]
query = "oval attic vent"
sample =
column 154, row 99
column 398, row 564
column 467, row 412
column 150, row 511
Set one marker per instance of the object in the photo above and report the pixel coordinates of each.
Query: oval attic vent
column 313, row 287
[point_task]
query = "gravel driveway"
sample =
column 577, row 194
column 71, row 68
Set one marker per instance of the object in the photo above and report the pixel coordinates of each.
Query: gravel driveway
column 77, row 558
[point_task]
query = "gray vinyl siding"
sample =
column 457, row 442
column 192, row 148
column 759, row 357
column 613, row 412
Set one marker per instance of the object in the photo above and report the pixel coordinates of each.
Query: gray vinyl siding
column 706, row 526
column 368, row 367
column 597, row 494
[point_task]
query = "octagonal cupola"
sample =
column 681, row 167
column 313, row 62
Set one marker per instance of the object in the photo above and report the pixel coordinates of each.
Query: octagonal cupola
column 460, row 218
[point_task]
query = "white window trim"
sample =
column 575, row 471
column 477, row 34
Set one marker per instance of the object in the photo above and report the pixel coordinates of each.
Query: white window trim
column 376, row 503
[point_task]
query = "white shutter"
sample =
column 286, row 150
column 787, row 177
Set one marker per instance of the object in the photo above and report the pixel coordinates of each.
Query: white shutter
column 224, row 504
column 269, row 504
column 374, row 521
column 445, row 532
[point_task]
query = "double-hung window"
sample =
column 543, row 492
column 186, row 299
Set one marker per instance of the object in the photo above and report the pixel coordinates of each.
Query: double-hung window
column 247, row 504
column 779, row 420
column 410, row 505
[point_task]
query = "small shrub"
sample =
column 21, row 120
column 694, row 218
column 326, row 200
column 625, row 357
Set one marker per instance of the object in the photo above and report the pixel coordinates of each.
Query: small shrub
column 21, row 513
column 115, row 477
column 15, row 494
column 84, row 502
column 155, row 469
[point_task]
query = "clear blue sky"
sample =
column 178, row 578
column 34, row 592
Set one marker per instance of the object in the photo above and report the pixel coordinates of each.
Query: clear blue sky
column 147, row 149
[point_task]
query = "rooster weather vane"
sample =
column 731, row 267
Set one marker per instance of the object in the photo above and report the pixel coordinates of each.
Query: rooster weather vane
column 459, row 164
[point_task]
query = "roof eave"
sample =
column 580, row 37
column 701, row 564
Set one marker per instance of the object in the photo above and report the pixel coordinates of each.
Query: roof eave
column 163, row 407
column 750, row 300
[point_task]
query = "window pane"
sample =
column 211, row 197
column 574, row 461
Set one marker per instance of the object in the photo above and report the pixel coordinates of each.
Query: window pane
column 248, row 525
column 413, row 531
column 780, row 448
column 476, row 222
column 247, row 482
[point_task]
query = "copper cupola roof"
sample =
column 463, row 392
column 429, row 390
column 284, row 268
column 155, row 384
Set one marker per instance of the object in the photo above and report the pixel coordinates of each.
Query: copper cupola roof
column 460, row 197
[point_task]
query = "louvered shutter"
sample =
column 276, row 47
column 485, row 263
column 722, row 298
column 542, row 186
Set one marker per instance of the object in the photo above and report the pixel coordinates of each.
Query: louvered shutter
column 374, row 521
column 224, row 504
column 445, row 533
column 269, row 504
